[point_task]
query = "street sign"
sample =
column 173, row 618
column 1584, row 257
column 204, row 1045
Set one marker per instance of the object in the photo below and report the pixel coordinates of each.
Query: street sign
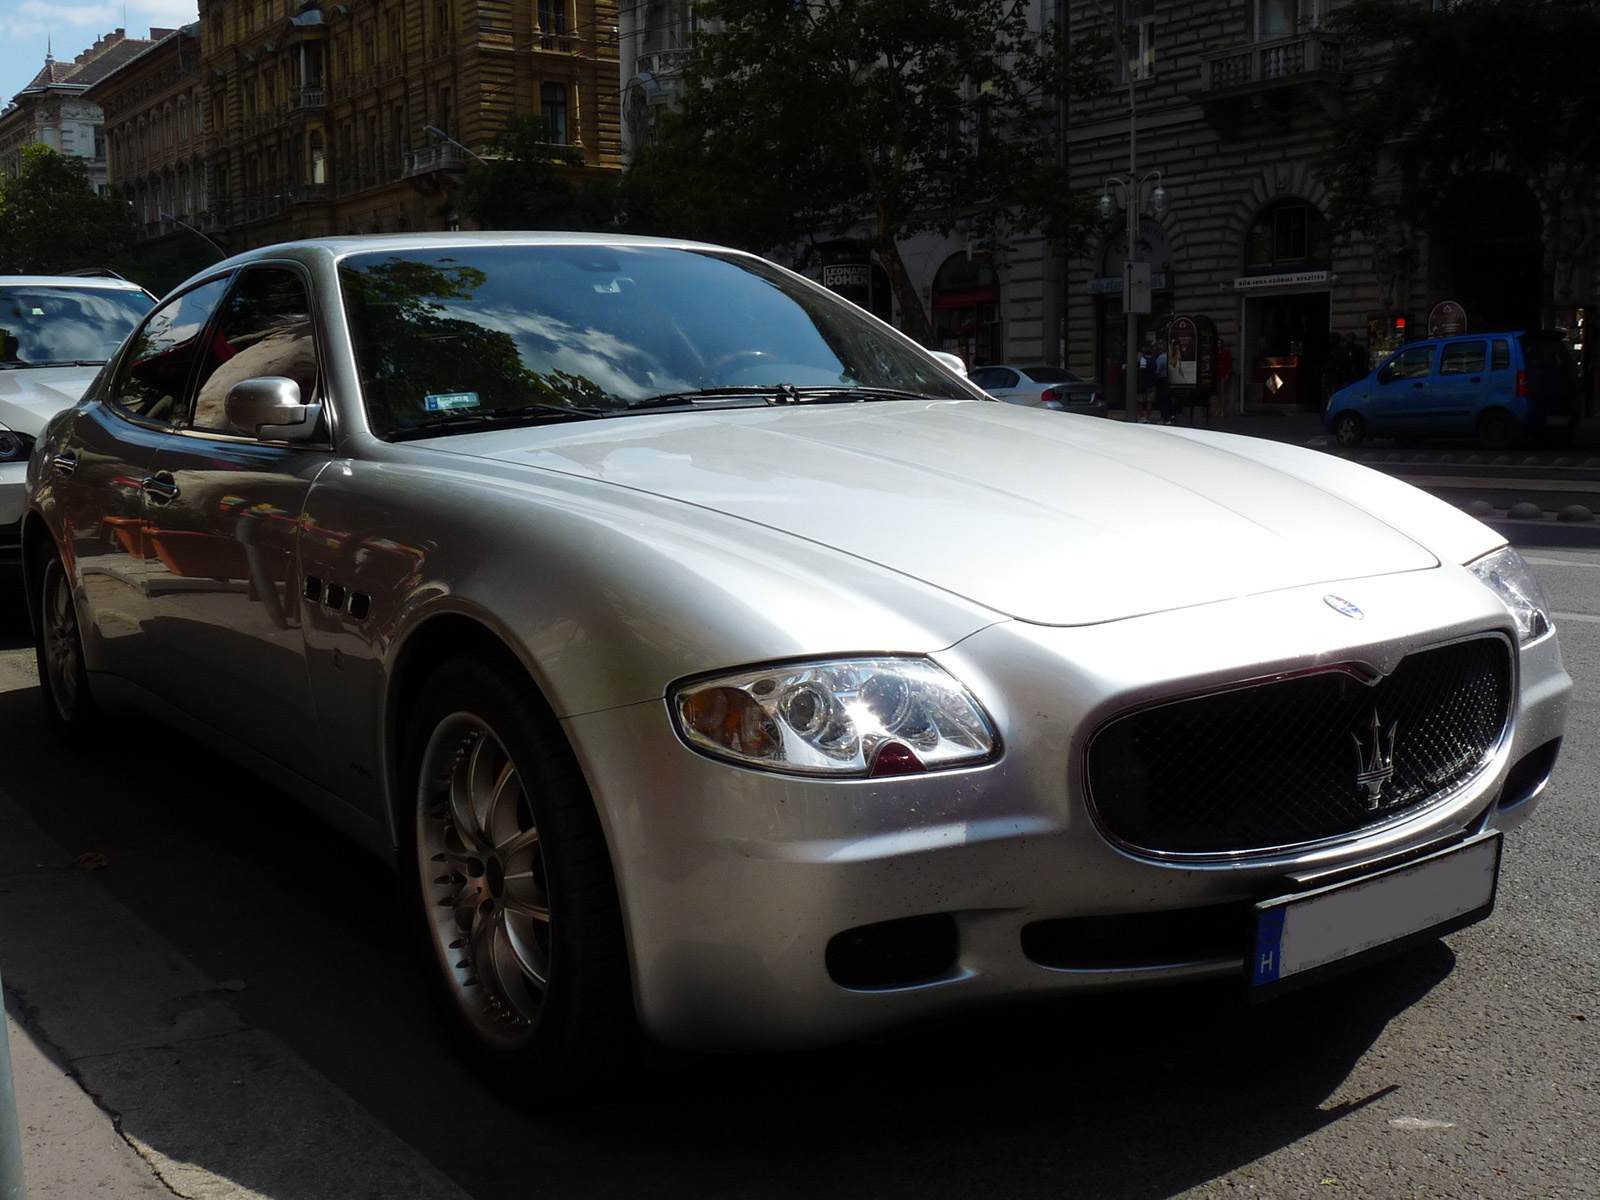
column 1136, row 287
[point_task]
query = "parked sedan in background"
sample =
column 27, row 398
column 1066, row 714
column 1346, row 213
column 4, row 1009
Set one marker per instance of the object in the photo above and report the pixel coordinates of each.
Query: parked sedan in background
column 56, row 331
column 709, row 659
column 1040, row 386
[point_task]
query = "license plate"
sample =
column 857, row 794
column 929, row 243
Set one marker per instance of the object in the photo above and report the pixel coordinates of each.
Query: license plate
column 1312, row 933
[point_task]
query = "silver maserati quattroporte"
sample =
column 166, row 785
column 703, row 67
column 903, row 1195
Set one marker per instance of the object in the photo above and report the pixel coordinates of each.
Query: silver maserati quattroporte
column 711, row 660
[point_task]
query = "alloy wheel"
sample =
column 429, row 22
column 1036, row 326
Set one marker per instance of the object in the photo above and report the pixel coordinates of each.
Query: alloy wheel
column 62, row 654
column 483, row 879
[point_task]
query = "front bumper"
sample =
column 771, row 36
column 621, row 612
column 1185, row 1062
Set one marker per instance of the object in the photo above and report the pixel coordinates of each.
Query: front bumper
column 735, row 883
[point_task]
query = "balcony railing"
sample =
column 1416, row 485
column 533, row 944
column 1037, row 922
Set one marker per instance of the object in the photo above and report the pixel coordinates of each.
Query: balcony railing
column 1265, row 64
column 555, row 43
column 444, row 157
column 214, row 219
column 307, row 98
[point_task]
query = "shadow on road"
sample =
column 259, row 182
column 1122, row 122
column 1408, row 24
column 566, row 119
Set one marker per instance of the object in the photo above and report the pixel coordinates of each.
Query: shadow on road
column 1134, row 1094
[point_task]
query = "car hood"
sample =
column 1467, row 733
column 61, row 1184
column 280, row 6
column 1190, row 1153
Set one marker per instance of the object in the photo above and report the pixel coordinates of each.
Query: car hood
column 30, row 397
column 1044, row 517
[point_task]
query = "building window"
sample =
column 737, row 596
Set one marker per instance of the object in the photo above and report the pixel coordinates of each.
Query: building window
column 443, row 110
column 553, row 108
column 553, row 17
column 319, row 163
column 99, row 141
column 1284, row 236
column 1139, row 38
column 1285, row 18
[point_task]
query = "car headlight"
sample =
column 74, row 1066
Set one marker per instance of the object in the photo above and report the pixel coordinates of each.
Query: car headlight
column 860, row 717
column 1507, row 576
column 14, row 447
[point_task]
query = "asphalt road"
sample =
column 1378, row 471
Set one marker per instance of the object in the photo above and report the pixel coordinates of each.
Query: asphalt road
column 1469, row 1067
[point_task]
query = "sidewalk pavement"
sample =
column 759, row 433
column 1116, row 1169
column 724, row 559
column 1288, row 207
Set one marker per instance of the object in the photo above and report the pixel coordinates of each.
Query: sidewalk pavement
column 135, row 1077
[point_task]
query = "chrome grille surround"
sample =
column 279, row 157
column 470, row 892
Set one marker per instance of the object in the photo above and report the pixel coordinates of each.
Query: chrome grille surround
column 1272, row 765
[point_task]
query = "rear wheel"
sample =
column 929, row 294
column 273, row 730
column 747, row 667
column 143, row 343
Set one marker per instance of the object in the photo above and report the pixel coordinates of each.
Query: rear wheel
column 508, row 886
column 1497, row 429
column 1349, row 430
column 58, row 648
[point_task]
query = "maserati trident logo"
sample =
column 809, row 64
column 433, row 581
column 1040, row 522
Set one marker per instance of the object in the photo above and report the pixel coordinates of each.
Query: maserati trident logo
column 1374, row 760
column 1340, row 605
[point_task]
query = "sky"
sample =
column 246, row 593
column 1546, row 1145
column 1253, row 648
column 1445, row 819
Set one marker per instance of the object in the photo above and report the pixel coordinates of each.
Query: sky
column 71, row 26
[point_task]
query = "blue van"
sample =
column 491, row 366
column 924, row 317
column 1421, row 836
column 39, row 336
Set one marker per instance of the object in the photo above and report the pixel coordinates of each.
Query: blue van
column 1498, row 387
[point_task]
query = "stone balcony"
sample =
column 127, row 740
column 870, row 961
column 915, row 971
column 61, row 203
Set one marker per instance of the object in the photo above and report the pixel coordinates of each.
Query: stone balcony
column 1271, row 77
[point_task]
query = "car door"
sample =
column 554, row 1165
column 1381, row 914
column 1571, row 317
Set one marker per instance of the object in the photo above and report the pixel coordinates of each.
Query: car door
column 1459, row 387
column 100, row 469
column 223, row 515
column 1400, row 389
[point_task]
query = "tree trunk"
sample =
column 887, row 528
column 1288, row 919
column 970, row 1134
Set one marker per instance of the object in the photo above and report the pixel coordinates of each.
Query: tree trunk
column 913, row 317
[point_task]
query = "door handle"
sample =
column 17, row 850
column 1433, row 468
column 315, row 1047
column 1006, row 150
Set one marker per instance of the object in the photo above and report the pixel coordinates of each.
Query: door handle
column 66, row 463
column 161, row 487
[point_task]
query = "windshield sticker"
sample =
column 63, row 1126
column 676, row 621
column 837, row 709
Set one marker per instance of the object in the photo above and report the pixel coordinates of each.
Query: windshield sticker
column 450, row 401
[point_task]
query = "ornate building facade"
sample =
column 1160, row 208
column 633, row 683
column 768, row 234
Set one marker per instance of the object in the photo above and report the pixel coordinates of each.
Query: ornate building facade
column 1227, row 104
column 54, row 109
column 366, row 116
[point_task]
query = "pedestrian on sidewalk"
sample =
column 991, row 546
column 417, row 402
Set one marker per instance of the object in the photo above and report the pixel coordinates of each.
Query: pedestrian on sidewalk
column 1166, row 402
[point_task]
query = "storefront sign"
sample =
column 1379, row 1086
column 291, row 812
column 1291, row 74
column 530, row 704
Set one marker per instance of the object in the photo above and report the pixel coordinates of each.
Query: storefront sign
column 1447, row 319
column 846, row 275
column 1183, row 353
column 1249, row 283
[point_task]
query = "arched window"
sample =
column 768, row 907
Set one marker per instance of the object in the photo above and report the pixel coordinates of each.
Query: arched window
column 966, row 310
column 1287, row 235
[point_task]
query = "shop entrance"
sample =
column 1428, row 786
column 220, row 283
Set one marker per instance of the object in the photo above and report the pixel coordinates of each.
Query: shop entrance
column 966, row 311
column 1288, row 337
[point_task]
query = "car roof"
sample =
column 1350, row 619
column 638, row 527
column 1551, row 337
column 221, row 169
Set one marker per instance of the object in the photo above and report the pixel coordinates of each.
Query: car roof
column 96, row 282
column 339, row 246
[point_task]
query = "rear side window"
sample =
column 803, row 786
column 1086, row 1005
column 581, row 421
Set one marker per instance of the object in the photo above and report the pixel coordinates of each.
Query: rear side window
column 1462, row 358
column 1051, row 375
column 1502, row 354
column 993, row 377
column 1545, row 351
column 153, row 375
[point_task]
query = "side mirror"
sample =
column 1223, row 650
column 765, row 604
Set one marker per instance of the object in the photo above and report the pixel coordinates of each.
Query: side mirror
column 953, row 361
column 270, row 407
column 1386, row 373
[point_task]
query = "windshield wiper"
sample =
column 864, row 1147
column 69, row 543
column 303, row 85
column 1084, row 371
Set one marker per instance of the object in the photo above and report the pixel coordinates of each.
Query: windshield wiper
column 506, row 417
column 60, row 362
column 706, row 397
column 846, row 393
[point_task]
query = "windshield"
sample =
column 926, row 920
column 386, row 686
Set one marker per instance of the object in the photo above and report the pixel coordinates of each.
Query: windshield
column 48, row 326
column 446, row 334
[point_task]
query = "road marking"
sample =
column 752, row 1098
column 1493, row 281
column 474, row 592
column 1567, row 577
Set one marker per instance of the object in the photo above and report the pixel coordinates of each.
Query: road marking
column 1589, row 617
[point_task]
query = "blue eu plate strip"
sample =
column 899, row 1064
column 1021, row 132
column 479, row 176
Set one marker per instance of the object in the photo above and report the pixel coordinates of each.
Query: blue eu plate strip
column 1269, row 947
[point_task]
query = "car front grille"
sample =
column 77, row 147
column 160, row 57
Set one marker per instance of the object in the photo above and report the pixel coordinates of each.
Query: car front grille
column 1280, row 763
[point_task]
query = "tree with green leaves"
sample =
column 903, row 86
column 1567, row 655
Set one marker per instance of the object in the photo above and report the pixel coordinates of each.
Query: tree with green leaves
column 51, row 220
column 1480, row 86
column 913, row 116
column 522, row 187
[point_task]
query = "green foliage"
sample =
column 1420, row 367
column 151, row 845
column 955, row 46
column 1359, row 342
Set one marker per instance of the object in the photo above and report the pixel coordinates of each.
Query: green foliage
column 1483, row 85
column 52, row 221
column 522, row 189
column 913, row 115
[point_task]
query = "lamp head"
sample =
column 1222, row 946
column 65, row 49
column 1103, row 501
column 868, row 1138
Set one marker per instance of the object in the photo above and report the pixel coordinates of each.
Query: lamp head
column 1158, row 200
column 1106, row 206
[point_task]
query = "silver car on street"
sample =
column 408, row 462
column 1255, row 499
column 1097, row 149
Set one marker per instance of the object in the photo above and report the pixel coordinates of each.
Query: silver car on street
column 711, row 660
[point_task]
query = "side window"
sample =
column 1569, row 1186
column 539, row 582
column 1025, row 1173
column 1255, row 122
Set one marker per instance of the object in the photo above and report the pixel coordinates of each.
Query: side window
column 263, row 328
column 1462, row 358
column 150, row 381
column 1501, row 355
column 1414, row 362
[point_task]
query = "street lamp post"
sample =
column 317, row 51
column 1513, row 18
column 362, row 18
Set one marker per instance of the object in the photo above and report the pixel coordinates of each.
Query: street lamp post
column 1129, row 194
column 166, row 216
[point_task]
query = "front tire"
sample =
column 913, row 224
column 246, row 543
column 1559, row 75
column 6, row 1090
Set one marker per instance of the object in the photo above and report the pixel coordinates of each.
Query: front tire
column 508, row 886
column 58, row 650
column 1349, row 430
